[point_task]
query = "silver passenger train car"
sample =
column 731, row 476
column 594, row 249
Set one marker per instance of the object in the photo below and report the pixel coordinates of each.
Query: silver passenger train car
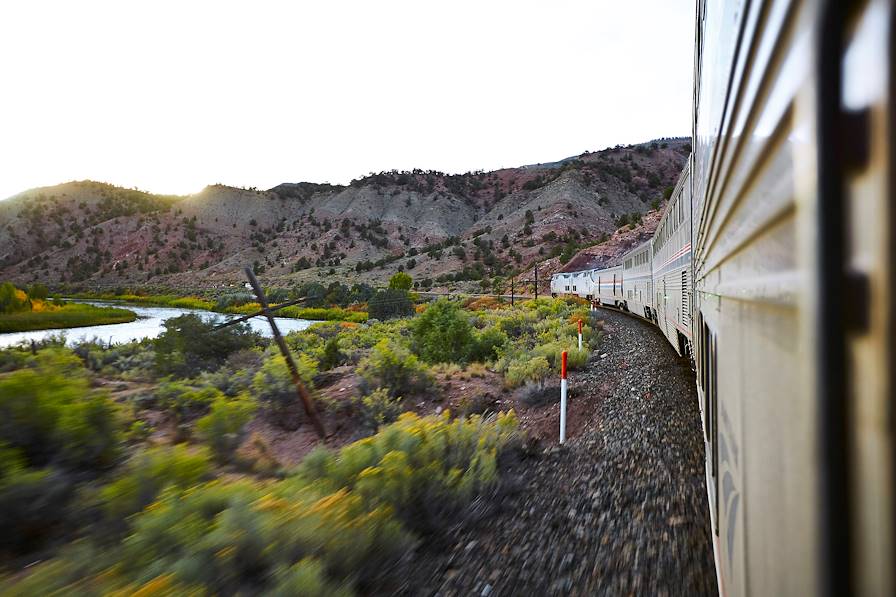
column 774, row 269
column 653, row 280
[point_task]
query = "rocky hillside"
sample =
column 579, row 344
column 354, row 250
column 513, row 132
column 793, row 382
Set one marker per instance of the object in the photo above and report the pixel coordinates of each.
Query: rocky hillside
column 468, row 231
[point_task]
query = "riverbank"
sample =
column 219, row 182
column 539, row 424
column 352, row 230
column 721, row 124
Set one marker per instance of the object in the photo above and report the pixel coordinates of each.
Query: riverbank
column 195, row 302
column 71, row 315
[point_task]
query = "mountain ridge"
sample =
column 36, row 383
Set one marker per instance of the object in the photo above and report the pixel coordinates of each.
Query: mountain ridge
column 465, row 231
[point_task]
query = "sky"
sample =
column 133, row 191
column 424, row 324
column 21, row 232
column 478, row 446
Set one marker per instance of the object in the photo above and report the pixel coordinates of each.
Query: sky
column 170, row 96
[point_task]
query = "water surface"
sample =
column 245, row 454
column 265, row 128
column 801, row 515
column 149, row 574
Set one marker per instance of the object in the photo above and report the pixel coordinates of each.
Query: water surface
column 147, row 325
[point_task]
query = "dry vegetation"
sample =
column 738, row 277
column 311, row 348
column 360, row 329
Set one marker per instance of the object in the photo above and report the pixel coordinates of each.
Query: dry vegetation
column 106, row 453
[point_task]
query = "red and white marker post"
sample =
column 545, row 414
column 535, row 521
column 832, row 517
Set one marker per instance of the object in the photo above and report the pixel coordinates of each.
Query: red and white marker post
column 563, row 397
column 580, row 334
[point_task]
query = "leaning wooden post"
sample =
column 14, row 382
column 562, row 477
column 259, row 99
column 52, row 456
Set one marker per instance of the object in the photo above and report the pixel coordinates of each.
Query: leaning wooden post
column 293, row 370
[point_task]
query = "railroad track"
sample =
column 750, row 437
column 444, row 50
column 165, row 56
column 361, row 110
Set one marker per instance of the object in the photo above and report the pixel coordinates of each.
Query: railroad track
column 621, row 510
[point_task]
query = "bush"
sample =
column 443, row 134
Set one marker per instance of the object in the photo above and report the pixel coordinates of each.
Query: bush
column 12, row 299
column 386, row 304
column 38, row 292
column 233, row 300
column 391, row 366
column 401, row 281
column 147, row 474
column 332, row 356
column 575, row 359
column 487, row 344
column 527, row 369
column 273, row 385
column 33, row 505
column 330, row 529
column 222, row 428
column 185, row 401
column 378, row 408
column 539, row 393
column 442, row 333
column 190, row 345
column 419, row 467
column 88, row 433
column 50, row 414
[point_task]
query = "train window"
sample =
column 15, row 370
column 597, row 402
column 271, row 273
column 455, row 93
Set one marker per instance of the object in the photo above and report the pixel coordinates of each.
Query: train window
column 709, row 378
column 714, row 415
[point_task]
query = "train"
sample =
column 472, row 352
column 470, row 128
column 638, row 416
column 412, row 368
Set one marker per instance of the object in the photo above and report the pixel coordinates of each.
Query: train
column 652, row 280
column 773, row 270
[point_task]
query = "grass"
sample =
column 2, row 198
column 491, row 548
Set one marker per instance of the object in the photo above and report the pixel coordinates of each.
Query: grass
column 65, row 316
column 297, row 312
column 194, row 302
column 152, row 300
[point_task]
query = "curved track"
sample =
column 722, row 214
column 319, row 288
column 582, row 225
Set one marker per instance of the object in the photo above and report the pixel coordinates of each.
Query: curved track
column 620, row 510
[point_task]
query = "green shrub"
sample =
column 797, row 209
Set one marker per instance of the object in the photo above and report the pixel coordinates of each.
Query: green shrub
column 236, row 299
column 222, row 428
column 487, row 344
column 332, row 356
column 184, row 400
column 12, row 300
column 33, row 504
column 307, row 578
column 378, row 408
column 12, row 359
column 138, row 432
column 88, row 433
column 50, row 414
column 442, row 333
column 526, row 369
column 401, row 281
column 332, row 528
column 386, row 304
column 147, row 474
column 420, row 467
column 38, row 292
column 274, row 387
column 575, row 359
column 389, row 365
column 190, row 345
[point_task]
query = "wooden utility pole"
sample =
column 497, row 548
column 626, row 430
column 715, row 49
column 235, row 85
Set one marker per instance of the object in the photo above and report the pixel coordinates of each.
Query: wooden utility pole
column 511, row 289
column 307, row 401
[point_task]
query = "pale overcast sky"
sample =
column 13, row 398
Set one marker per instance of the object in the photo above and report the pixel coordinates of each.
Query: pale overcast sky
column 170, row 96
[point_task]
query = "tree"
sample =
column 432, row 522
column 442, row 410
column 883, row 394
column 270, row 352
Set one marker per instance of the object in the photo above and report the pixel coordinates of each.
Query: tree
column 386, row 304
column 442, row 333
column 401, row 281
column 568, row 251
column 38, row 292
column 190, row 345
column 12, row 299
column 314, row 293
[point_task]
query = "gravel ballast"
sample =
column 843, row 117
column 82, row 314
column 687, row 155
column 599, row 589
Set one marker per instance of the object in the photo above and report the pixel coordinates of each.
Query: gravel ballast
column 621, row 509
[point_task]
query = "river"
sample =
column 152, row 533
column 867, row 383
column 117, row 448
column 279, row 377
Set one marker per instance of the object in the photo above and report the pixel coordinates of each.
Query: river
column 147, row 325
